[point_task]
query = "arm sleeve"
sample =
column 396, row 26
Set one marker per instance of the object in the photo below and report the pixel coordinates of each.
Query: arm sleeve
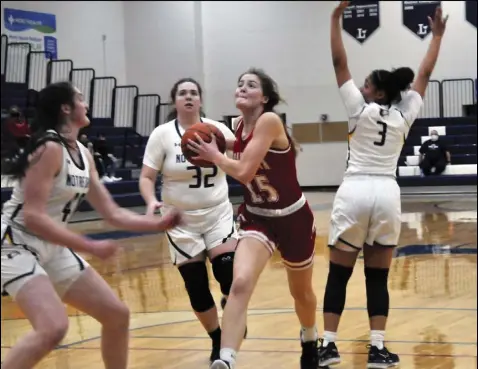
column 352, row 98
column 155, row 152
column 410, row 106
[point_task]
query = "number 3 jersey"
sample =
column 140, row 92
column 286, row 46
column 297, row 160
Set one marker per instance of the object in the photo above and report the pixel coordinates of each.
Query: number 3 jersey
column 275, row 186
column 70, row 186
column 377, row 133
column 184, row 185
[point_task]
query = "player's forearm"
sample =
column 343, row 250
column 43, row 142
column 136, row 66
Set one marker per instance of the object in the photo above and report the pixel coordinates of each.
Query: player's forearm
column 147, row 188
column 233, row 168
column 339, row 55
column 430, row 59
column 49, row 230
column 131, row 221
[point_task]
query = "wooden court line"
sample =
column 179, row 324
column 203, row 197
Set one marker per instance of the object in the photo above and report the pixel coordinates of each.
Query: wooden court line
column 273, row 339
column 253, row 351
column 269, row 311
column 75, row 343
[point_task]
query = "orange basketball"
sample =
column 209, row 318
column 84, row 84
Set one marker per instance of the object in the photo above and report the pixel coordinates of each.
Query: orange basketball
column 204, row 130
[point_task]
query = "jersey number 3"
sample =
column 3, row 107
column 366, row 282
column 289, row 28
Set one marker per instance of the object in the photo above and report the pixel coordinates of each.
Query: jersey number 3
column 200, row 181
column 382, row 133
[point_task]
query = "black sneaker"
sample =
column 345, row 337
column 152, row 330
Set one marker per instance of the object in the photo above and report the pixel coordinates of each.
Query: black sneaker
column 310, row 357
column 328, row 355
column 220, row 364
column 381, row 359
column 223, row 305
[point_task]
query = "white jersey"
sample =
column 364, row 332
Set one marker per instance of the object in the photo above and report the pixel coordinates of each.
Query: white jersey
column 377, row 133
column 185, row 186
column 70, row 186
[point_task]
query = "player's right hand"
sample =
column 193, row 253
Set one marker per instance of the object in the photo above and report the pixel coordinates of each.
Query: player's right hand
column 338, row 11
column 104, row 250
column 170, row 220
column 152, row 207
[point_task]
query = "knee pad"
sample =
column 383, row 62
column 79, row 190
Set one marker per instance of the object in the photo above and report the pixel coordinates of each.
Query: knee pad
column 378, row 300
column 336, row 289
column 196, row 281
column 222, row 267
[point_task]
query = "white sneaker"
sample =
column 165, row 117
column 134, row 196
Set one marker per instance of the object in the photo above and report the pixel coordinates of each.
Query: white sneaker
column 106, row 179
column 116, row 179
column 220, row 364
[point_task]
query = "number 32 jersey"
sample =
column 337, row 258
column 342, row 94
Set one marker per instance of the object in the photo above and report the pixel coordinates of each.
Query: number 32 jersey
column 69, row 188
column 185, row 186
column 377, row 133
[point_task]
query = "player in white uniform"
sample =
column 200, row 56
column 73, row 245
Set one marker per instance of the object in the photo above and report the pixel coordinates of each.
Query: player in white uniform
column 203, row 195
column 40, row 266
column 367, row 209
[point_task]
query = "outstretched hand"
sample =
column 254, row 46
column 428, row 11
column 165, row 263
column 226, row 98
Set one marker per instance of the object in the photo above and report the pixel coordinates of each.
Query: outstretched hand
column 438, row 23
column 339, row 10
column 206, row 151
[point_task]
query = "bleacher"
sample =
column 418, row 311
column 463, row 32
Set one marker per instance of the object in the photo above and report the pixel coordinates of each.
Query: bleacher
column 127, row 117
column 121, row 113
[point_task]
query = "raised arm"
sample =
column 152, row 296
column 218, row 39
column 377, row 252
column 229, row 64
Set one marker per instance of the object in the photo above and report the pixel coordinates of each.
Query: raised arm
column 438, row 27
column 339, row 56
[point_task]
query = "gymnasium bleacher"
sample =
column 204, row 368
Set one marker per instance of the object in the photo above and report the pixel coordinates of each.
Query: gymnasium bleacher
column 126, row 118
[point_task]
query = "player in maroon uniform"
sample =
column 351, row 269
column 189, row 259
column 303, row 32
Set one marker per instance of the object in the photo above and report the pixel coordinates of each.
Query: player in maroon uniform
column 275, row 214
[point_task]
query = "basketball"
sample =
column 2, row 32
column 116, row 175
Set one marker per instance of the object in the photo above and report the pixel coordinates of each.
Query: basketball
column 204, row 130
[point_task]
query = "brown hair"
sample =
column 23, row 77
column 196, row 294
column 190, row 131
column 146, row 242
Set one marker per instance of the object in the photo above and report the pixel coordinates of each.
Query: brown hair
column 271, row 91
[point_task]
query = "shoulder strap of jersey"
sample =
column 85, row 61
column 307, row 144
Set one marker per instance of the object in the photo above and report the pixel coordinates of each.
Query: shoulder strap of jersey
column 236, row 123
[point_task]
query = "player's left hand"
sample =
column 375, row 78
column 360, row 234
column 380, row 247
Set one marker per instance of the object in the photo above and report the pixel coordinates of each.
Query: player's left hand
column 206, row 151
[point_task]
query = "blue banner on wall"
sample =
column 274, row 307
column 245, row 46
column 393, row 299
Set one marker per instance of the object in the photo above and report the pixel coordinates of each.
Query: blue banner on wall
column 361, row 19
column 415, row 16
column 37, row 29
column 470, row 11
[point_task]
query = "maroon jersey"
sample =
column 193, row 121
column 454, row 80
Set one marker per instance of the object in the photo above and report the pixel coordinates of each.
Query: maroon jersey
column 275, row 185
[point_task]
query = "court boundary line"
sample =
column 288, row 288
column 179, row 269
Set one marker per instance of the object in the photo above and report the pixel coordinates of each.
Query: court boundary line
column 281, row 310
column 79, row 342
column 285, row 339
column 347, row 353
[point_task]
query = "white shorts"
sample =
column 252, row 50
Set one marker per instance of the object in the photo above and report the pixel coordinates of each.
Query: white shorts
column 202, row 230
column 367, row 210
column 25, row 257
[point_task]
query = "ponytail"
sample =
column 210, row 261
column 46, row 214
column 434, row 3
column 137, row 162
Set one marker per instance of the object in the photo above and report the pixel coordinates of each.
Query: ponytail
column 393, row 83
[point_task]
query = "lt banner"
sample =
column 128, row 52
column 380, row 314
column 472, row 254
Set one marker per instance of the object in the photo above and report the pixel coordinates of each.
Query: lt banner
column 415, row 16
column 471, row 11
column 361, row 19
column 37, row 29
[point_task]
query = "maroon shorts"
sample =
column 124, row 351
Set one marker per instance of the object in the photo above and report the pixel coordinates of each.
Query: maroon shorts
column 293, row 235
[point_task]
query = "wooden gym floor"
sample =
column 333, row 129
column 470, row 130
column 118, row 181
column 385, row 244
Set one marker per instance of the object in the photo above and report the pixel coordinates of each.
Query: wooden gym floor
column 432, row 285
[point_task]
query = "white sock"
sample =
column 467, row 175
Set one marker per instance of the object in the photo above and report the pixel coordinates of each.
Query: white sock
column 229, row 355
column 329, row 337
column 377, row 338
column 309, row 334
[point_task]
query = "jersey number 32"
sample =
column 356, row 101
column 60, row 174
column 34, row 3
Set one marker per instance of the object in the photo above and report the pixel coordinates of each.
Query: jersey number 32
column 202, row 179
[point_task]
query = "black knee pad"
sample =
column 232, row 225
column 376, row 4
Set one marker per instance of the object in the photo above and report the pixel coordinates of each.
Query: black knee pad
column 378, row 300
column 196, row 281
column 336, row 289
column 222, row 267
